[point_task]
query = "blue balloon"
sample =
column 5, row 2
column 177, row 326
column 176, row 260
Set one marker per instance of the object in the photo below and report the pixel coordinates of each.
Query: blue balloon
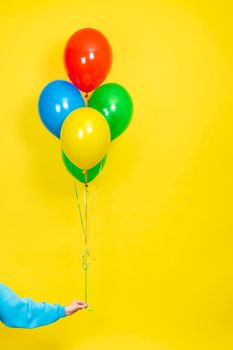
column 58, row 99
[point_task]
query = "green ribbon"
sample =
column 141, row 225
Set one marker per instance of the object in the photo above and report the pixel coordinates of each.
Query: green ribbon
column 85, row 227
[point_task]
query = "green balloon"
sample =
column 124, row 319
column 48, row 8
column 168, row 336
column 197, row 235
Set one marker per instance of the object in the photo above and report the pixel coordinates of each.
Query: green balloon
column 116, row 105
column 78, row 173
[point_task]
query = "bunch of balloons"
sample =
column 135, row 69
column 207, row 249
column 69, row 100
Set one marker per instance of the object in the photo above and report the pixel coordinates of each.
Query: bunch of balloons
column 85, row 128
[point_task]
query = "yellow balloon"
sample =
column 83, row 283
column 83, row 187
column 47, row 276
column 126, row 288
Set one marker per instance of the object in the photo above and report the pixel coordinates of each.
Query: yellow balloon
column 85, row 137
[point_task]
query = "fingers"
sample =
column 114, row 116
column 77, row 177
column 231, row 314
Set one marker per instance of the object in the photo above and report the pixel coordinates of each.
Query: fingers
column 80, row 304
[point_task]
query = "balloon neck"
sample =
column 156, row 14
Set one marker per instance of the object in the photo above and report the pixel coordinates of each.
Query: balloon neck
column 87, row 98
column 85, row 173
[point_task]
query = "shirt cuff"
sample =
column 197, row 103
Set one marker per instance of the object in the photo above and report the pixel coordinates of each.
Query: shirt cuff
column 61, row 311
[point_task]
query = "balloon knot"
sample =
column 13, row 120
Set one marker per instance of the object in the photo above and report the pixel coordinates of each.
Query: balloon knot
column 85, row 263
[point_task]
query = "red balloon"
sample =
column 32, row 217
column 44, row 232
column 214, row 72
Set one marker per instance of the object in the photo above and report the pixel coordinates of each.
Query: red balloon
column 88, row 59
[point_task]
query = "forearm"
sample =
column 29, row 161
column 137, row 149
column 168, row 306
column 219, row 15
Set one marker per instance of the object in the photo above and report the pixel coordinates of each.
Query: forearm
column 24, row 312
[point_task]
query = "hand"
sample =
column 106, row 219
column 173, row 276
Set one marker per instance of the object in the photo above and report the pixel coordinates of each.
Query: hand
column 75, row 306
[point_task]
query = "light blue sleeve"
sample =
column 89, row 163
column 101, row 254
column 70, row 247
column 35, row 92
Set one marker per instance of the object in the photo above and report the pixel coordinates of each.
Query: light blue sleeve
column 18, row 312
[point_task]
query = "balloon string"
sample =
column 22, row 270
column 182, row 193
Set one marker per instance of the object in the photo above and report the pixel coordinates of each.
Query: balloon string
column 87, row 99
column 85, row 206
column 85, row 262
column 87, row 226
column 86, row 287
column 86, row 251
column 79, row 207
column 95, row 193
column 84, row 223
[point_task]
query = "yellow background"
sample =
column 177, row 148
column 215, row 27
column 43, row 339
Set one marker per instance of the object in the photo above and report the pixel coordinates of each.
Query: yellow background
column 162, row 232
